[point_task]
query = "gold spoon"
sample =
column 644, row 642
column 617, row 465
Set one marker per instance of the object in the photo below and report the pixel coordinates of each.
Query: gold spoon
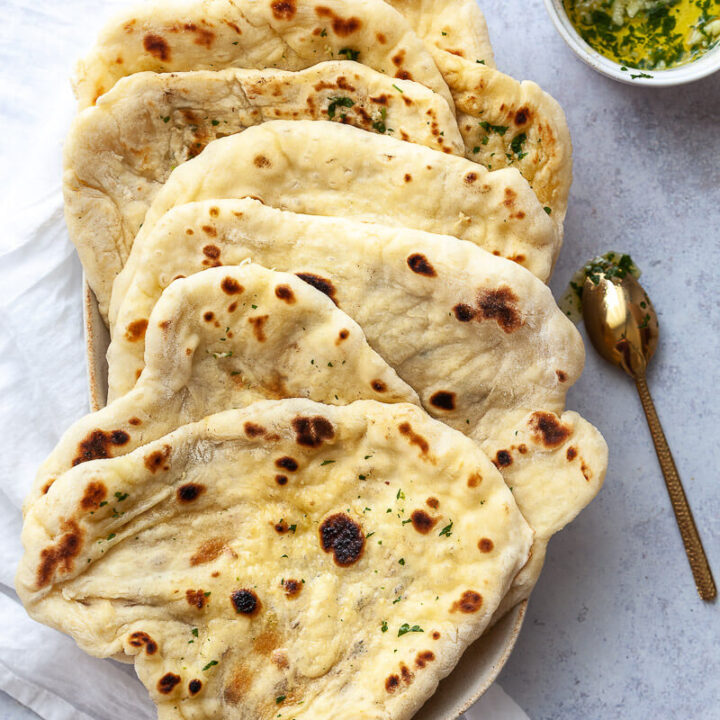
column 623, row 327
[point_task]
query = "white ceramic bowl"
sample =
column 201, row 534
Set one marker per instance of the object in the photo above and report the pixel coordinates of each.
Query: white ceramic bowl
column 705, row 65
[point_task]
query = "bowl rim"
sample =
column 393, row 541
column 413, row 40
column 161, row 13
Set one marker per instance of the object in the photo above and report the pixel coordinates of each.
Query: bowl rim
column 705, row 65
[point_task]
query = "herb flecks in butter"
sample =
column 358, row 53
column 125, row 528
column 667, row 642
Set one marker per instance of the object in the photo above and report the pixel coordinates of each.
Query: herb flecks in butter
column 647, row 34
column 611, row 265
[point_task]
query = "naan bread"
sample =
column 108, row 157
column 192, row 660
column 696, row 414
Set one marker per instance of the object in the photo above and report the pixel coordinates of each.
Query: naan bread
column 506, row 123
column 356, row 583
column 453, row 27
column 479, row 338
column 283, row 34
column 120, row 152
column 324, row 168
column 223, row 339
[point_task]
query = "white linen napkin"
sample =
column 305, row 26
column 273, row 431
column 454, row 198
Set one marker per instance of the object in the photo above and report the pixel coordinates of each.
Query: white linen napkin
column 42, row 355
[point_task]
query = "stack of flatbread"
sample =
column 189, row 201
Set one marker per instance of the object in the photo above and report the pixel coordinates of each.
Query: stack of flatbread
column 335, row 445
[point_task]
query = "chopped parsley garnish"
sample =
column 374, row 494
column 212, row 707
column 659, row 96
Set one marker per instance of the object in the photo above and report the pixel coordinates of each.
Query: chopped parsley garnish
column 384, row 626
column 548, row 210
column 166, row 119
column 336, row 102
column 194, row 632
column 210, row 664
column 447, row 530
column 326, row 462
column 499, row 129
column 293, row 528
column 405, row 628
column 400, row 495
column 370, row 534
column 207, row 594
column 323, row 33
column 517, row 145
column 398, row 89
column 401, row 561
column 215, row 122
column 349, row 53
column 397, row 600
column 121, row 496
column 279, row 699
column 379, row 125
column 111, row 536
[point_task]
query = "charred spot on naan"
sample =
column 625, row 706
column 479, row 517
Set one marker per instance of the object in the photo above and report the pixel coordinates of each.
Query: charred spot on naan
column 485, row 545
column 230, row 286
column 293, row 588
column 95, row 493
column 60, row 556
column 253, row 430
column 281, row 527
column 139, row 639
column 212, row 255
column 157, row 46
column 208, row 551
column 166, row 684
column 319, row 283
column 258, row 326
column 190, row 492
column 135, row 331
column 194, row 686
column 419, row 441
column 474, row 480
column 469, row 602
column 157, row 460
column 342, row 27
column 548, row 430
column 287, row 463
column 423, row 658
column 419, row 264
column 343, row 537
column 443, row 400
column 500, row 305
column 503, row 459
column 312, row 431
column 283, row 9
column 196, row 598
column 285, row 293
column 245, row 602
column 98, row 445
column 422, row 522
column 463, row 312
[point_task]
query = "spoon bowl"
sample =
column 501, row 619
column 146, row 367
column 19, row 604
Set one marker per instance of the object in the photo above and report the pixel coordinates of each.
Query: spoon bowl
column 621, row 322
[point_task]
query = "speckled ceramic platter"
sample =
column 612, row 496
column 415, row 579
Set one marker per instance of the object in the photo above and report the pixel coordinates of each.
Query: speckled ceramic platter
column 482, row 661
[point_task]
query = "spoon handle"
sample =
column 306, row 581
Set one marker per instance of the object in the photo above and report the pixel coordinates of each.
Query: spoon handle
column 693, row 545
